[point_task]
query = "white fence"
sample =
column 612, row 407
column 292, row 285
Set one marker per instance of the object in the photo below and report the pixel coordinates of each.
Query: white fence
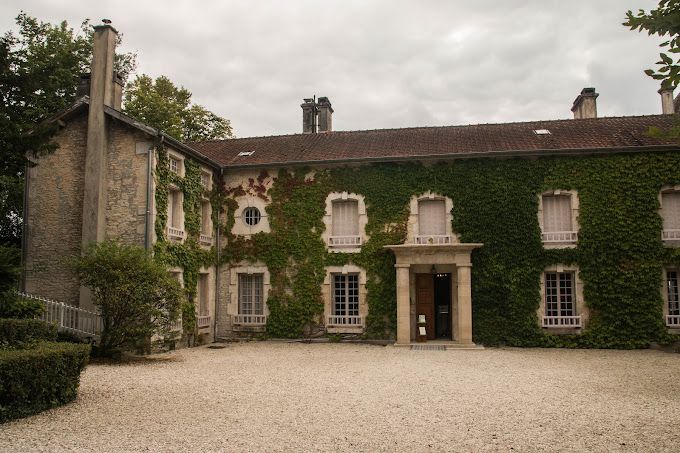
column 433, row 239
column 68, row 318
column 249, row 320
column 673, row 320
column 561, row 321
column 345, row 321
column 559, row 236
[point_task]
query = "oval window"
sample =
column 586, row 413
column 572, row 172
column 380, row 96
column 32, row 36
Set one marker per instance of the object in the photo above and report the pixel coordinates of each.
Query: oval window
column 251, row 216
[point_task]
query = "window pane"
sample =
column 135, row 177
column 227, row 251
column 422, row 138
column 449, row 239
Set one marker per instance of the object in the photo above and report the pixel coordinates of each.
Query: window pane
column 566, row 294
column 670, row 210
column 339, row 295
column 551, row 294
column 353, row 295
column 557, row 213
column 245, row 292
column 432, row 217
column 346, row 218
column 673, row 296
column 258, row 295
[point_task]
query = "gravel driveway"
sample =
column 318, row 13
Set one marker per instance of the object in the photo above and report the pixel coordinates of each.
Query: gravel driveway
column 341, row 397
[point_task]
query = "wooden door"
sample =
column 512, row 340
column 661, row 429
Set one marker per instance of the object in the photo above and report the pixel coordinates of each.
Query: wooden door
column 425, row 302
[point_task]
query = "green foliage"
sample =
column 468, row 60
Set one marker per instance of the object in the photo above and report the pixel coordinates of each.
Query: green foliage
column 663, row 21
column 620, row 253
column 161, row 104
column 38, row 378
column 11, row 305
column 134, row 293
column 40, row 67
column 189, row 255
column 18, row 332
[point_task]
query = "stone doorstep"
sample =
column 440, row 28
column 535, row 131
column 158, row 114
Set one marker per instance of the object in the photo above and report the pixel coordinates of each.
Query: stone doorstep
column 441, row 345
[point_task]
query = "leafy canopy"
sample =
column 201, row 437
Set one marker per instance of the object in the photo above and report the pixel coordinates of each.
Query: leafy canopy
column 161, row 104
column 663, row 21
column 40, row 66
column 136, row 296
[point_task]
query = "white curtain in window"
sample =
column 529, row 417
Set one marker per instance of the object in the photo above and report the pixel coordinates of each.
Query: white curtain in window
column 206, row 227
column 203, row 295
column 346, row 218
column 557, row 213
column 432, row 217
column 670, row 210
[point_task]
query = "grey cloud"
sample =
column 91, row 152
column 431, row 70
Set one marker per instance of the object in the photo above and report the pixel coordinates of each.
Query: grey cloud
column 383, row 63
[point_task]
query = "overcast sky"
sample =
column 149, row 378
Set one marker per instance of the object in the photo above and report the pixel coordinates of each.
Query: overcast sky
column 382, row 63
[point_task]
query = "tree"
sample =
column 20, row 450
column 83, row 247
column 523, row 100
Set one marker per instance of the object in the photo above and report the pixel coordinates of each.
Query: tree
column 663, row 21
column 134, row 293
column 161, row 104
column 40, row 68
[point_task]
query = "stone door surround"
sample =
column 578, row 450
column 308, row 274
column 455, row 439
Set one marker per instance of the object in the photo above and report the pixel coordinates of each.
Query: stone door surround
column 428, row 254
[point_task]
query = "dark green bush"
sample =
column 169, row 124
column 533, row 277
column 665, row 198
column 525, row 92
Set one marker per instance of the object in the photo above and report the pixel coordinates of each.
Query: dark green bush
column 17, row 332
column 38, row 378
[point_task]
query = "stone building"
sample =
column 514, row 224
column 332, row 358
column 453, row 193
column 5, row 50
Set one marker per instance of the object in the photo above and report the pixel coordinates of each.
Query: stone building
column 516, row 232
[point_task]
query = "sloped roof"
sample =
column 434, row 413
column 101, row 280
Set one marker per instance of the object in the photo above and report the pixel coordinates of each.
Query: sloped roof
column 597, row 135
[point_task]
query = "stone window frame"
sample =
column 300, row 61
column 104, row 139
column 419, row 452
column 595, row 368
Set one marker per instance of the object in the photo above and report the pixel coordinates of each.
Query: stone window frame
column 581, row 308
column 413, row 228
column 178, row 274
column 327, row 294
column 241, row 228
column 176, row 237
column 233, row 309
column 664, row 294
column 574, row 202
column 209, row 175
column 328, row 221
column 210, row 298
column 180, row 158
column 671, row 242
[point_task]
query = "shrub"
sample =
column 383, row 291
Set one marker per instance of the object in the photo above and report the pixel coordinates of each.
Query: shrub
column 14, row 306
column 17, row 332
column 136, row 296
column 38, row 378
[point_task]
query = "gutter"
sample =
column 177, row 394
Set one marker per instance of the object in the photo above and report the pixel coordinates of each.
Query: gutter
column 573, row 152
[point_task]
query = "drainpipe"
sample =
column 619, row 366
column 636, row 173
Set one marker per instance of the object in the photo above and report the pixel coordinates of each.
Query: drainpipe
column 217, row 269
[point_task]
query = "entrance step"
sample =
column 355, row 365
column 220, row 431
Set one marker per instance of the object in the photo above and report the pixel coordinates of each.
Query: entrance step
column 441, row 346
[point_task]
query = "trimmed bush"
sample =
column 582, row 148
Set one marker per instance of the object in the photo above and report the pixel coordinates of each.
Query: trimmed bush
column 16, row 332
column 38, row 378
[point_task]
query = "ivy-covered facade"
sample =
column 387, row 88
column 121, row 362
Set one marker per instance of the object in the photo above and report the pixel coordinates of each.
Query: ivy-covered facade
column 546, row 233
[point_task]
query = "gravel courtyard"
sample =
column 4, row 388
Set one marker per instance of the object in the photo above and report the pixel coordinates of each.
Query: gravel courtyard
column 343, row 397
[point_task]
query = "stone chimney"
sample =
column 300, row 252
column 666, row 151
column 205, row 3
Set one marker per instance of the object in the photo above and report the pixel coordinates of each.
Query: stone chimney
column 309, row 116
column 325, row 115
column 667, row 106
column 102, row 93
column 585, row 105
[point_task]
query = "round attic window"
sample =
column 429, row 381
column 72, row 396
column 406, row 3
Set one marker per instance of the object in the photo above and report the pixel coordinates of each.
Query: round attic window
column 251, row 216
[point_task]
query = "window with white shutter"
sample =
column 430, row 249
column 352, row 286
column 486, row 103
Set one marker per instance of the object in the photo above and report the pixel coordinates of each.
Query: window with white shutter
column 432, row 222
column 670, row 212
column 345, row 224
column 558, row 221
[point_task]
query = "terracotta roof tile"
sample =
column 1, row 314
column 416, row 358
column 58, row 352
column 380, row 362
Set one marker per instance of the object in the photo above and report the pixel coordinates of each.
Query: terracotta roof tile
column 606, row 133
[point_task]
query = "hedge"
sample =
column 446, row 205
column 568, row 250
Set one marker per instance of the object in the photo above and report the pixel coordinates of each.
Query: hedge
column 38, row 378
column 15, row 332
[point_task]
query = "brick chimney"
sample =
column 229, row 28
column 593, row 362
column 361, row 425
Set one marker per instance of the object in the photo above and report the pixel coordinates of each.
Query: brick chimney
column 667, row 107
column 102, row 93
column 585, row 105
column 325, row 115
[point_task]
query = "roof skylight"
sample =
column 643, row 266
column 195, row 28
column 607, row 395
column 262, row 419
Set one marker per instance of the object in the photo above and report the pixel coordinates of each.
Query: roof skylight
column 245, row 153
column 541, row 132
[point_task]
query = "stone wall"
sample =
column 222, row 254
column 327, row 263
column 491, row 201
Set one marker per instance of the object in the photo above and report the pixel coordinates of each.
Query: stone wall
column 54, row 215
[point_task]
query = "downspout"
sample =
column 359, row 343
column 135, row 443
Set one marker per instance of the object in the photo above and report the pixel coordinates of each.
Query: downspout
column 217, row 269
column 24, row 229
column 149, row 194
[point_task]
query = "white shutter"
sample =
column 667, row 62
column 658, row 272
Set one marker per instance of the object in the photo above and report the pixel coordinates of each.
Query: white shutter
column 203, row 295
column 670, row 210
column 431, row 217
column 171, row 207
column 345, row 218
column 556, row 213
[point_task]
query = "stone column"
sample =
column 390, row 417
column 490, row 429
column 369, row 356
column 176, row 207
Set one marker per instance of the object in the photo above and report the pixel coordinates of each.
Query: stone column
column 464, row 304
column 403, row 304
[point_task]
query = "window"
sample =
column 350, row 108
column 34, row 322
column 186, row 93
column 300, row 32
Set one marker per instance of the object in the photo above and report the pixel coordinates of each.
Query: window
column 670, row 212
column 560, row 300
column 175, row 227
column 250, row 294
column 203, row 294
column 432, row 222
column 558, row 222
column 345, row 224
column 345, row 309
column 205, row 180
column 672, row 299
column 206, row 223
column 174, row 165
column 251, row 216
